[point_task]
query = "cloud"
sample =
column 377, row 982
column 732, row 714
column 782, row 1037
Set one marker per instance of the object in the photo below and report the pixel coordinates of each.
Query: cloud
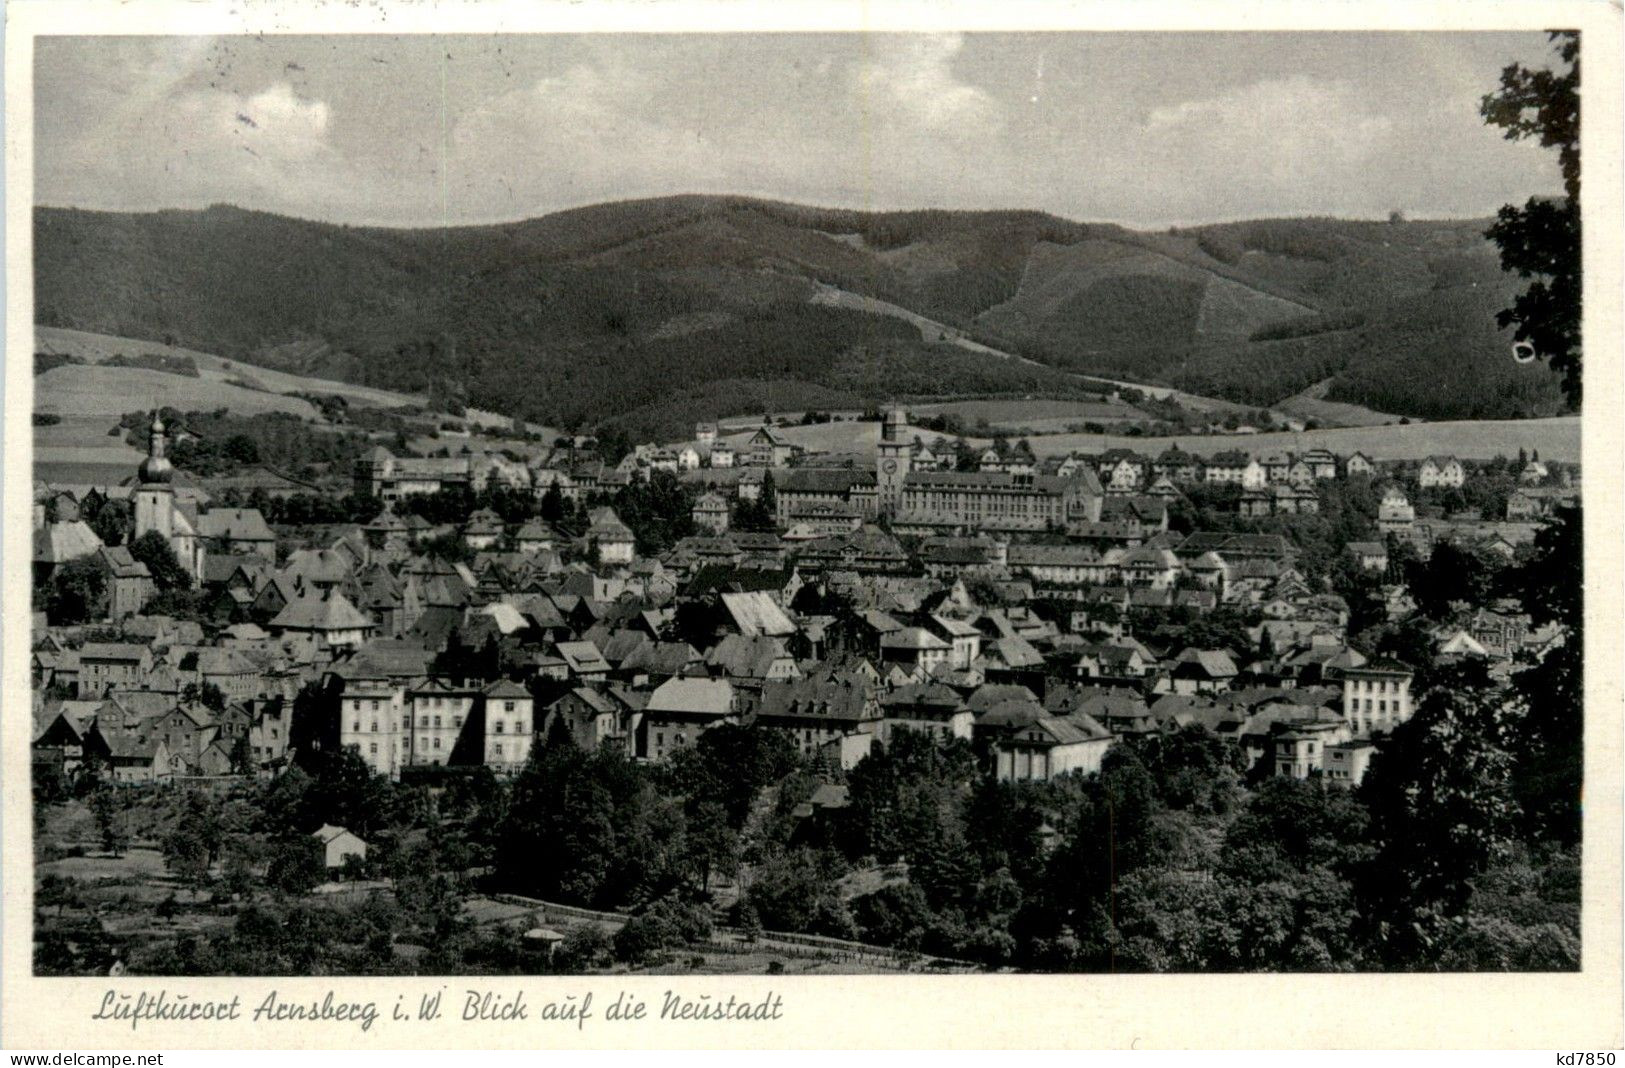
column 275, row 125
column 913, row 79
column 1290, row 130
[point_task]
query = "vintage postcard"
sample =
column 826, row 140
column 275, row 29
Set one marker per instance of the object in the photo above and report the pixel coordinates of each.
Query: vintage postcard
column 536, row 526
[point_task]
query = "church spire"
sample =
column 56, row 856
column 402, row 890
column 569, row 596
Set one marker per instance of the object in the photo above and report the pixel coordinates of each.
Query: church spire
column 156, row 468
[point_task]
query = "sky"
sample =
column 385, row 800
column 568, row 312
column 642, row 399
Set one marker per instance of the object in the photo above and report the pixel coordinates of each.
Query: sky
column 1144, row 129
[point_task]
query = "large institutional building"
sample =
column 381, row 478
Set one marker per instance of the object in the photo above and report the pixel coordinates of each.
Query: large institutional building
column 941, row 502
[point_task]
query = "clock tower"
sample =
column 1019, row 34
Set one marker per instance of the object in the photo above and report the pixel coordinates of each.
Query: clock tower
column 893, row 456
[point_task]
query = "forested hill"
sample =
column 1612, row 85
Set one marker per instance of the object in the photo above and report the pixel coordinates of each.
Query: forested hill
column 641, row 310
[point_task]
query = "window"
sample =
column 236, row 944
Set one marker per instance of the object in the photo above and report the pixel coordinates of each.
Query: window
column 375, row 726
column 373, row 748
column 660, row 738
column 499, row 726
column 457, row 721
column 437, row 721
column 356, row 727
column 437, row 743
column 498, row 749
column 507, row 706
column 423, row 722
column 375, row 706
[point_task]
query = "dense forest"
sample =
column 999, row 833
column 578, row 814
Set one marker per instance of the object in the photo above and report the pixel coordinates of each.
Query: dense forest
column 597, row 313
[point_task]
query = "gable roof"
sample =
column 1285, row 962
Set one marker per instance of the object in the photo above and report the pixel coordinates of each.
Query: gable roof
column 713, row 697
column 755, row 613
column 236, row 524
column 334, row 612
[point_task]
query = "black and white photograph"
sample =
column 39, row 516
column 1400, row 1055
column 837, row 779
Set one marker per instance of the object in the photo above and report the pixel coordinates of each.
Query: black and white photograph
column 764, row 504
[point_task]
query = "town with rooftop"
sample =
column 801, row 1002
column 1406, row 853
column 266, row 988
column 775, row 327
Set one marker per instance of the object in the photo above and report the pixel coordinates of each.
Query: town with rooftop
column 820, row 628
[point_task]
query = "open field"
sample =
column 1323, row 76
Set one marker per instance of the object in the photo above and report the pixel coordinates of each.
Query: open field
column 89, row 389
column 932, row 330
column 836, row 437
column 81, row 440
column 95, row 348
column 1032, row 416
column 1312, row 404
column 1556, row 439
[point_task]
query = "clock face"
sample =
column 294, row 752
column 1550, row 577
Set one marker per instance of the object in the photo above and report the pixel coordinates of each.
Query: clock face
column 889, row 466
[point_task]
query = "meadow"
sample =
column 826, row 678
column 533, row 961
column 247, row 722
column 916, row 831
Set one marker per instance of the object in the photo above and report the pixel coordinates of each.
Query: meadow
column 1555, row 439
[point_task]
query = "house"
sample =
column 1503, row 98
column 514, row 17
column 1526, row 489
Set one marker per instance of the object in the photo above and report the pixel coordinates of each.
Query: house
column 930, row 707
column 509, row 726
column 679, row 711
column 710, row 512
column 1202, row 671
column 1227, row 467
column 1322, row 463
column 1346, row 763
column 1441, row 471
column 821, row 709
column 1395, row 515
column 129, row 584
column 1300, row 748
column 236, row 676
column 1370, row 555
column 768, row 447
column 583, row 660
column 1277, row 466
column 1359, row 464
column 592, row 716
column 132, row 756
column 1534, row 472
column 536, row 536
column 236, row 531
column 612, row 538
column 329, row 622
column 1050, row 746
column 1178, row 466
column 112, row 665
column 483, row 529
column 437, row 710
column 1376, row 696
column 915, row 649
column 338, row 845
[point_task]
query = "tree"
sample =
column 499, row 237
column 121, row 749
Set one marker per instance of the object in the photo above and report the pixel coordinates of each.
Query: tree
column 77, row 592
column 1551, row 754
column 1541, row 240
column 112, row 522
column 1442, row 807
column 153, row 550
column 296, row 865
column 109, row 814
column 553, row 505
column 713, row 846
column 195, row 841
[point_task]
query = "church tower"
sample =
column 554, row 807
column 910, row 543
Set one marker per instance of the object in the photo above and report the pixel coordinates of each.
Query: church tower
column 155, row 496
column 893, row 457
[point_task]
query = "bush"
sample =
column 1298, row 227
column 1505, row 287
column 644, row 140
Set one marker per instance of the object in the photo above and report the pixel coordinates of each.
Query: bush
column 583, row 948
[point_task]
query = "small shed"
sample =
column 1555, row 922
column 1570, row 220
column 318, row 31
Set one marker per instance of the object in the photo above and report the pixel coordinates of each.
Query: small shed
column 543, row 940
column 339, row 844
